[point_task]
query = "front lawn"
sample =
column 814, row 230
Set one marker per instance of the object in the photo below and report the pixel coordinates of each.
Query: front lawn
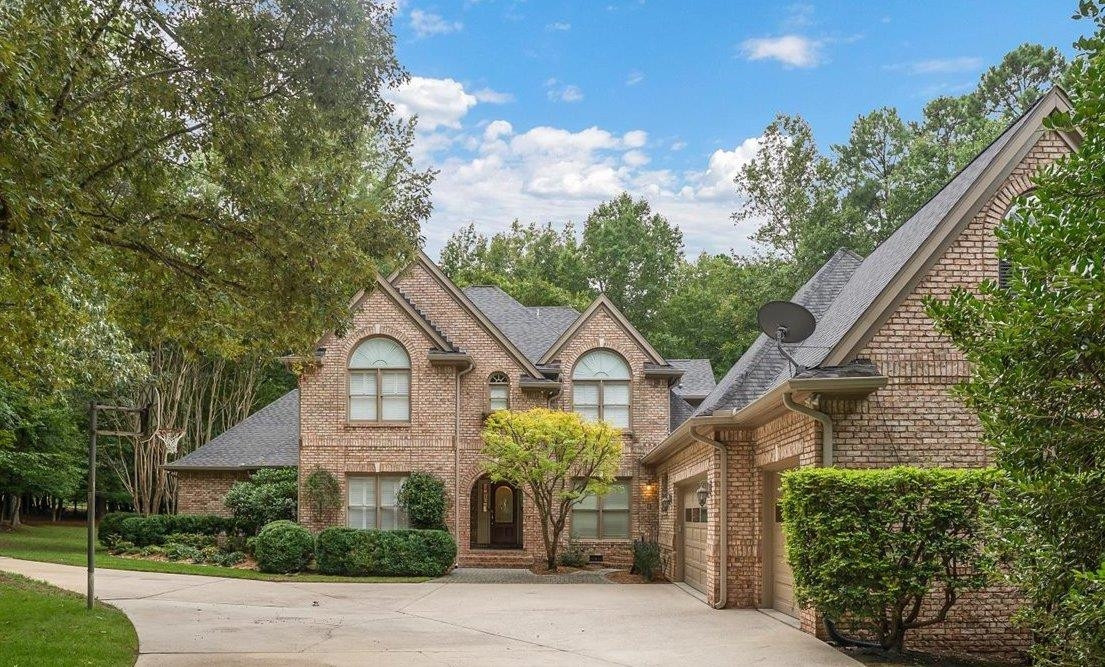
column 65, row 544
column 43, row 625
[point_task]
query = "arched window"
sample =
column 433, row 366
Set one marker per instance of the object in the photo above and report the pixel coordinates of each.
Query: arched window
column 380, row 382
column 498, row 391
column 600, row 387
column 1005, row 268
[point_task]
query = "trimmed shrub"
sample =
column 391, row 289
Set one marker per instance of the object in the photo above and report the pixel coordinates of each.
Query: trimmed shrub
column 867, row 546
column 145, row 530
column 268, row 495
column 110, row 525
column 198, row 540
column 646, row 557
column 423, row 496
column 573, row 555
column 284, row 546
column 385, row 553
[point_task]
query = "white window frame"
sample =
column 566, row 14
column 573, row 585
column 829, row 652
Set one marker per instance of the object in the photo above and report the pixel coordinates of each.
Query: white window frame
column 378, row 371
column 377, row 507
column 498, row 382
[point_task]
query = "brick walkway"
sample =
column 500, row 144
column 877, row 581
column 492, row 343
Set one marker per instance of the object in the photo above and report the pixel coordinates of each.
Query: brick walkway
column 492, row 575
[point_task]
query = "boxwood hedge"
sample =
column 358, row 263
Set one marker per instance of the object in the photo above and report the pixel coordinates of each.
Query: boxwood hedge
column 152, row 529
column 283, row 546
column 386, row 553
column 868, row 546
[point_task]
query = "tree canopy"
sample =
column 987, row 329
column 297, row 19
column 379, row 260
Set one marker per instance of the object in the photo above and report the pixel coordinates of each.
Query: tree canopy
column 215, row 174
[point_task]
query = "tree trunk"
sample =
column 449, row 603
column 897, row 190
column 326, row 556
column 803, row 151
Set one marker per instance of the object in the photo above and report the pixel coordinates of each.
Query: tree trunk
column 17, row 500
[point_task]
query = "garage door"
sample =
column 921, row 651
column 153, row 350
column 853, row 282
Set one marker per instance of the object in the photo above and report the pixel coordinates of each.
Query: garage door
column 782, row 576
column 694, row 540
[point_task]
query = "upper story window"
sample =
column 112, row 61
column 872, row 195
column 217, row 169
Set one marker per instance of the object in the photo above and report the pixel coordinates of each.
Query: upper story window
column 380, row 382
column 600, row 387
column 498, row 391
column 1005, row 267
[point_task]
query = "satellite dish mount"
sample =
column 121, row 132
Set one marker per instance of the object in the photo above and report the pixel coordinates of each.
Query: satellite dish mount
column 786, row 322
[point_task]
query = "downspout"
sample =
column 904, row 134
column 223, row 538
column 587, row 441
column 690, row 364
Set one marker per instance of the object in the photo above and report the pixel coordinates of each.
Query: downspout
column 723, row 514
column 826, row 427
column 456, row 455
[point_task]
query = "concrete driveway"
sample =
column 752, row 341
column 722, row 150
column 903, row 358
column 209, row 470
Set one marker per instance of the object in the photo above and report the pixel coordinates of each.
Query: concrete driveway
column 195, row 620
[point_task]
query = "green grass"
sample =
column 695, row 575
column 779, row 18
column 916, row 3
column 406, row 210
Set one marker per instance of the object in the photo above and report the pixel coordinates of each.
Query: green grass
column 43, row 625
column 65, row 544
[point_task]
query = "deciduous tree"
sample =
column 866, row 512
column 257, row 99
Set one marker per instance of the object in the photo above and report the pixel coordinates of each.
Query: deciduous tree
column 555, row 458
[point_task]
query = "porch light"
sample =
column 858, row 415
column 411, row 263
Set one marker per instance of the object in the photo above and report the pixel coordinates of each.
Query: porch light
column 320, row 352
column 702, row 493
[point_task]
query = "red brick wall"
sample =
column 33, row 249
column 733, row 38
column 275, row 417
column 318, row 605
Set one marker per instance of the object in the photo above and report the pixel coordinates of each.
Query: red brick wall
column 202, row 492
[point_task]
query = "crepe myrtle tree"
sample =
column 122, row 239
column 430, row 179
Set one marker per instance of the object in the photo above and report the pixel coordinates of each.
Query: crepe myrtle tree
column 555, row 458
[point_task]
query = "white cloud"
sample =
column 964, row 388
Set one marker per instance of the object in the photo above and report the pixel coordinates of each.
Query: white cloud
column 555, row 174
column 635, row 76
column 488, row 96
column 791, row 50
column 940, row 65
column 561, row 92
column 559, row 26
column 436, row 102
column 425, row 24
column 678, row 145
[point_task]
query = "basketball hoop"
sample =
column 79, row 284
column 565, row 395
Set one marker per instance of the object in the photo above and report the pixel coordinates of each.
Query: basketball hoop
column 170, row 437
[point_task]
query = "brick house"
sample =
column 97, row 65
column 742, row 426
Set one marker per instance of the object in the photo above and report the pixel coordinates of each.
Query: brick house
column 702, row 462
column 407, row 387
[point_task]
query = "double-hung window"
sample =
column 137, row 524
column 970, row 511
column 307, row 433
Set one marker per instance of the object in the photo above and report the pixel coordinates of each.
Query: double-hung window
column 603, row 517
column 373, row 502
column 600, row 388
column 380, row 382
column 498, row 391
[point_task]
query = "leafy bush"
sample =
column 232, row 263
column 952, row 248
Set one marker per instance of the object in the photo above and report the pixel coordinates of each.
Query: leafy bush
column 867, row 546
column 573, row 555
column 323, row 491
column 423, row 496
column 181, row 552
column 145, row 530
column 392, row 553
column 228, row 558
column 646, row 558
column 153, row 550
column 111, row 524
column 268, row 495
column 198, row 540
column 284, row 546
column 121, row 546
column 156, row 528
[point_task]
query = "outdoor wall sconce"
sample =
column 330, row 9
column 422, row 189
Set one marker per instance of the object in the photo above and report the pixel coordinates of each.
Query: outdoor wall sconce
column 702, row 493
column 665, row 501
column 320, row 352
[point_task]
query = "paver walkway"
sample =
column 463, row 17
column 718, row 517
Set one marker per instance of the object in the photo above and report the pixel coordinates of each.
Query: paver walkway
column 196, row 620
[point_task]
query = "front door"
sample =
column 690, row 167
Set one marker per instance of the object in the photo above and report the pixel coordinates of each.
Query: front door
column 505, row 502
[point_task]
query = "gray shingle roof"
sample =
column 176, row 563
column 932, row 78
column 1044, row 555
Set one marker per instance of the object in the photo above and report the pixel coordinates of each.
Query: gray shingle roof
column 757, row 369
column 698, row 378
column 268, row 438
column 533, row 329
column 680, row 410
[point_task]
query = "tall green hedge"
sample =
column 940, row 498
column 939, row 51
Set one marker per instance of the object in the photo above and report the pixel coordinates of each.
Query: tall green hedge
column 867, row 546
column 385, row 553
column 152, row 529
column 423, row 496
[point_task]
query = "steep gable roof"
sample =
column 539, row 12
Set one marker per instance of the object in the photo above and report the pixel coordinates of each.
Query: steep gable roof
column 891, row 269
column 268, row 438
column 533, row 329
column 603, row 303
column 466, row 303
column 756, row 370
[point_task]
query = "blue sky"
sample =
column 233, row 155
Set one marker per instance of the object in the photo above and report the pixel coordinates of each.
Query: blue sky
column 541, row 110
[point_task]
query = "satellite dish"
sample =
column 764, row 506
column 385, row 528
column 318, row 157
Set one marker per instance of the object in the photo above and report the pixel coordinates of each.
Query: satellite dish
column 786, row 322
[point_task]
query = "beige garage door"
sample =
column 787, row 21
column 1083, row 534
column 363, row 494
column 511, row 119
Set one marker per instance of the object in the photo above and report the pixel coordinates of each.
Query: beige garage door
column 694, row 540
column 782, row 585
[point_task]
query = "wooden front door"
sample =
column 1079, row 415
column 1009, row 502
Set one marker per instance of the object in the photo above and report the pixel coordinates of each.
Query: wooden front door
column 506, row 512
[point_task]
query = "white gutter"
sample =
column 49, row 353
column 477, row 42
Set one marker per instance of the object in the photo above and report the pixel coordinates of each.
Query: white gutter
column 826, row 426
column 723, row 514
